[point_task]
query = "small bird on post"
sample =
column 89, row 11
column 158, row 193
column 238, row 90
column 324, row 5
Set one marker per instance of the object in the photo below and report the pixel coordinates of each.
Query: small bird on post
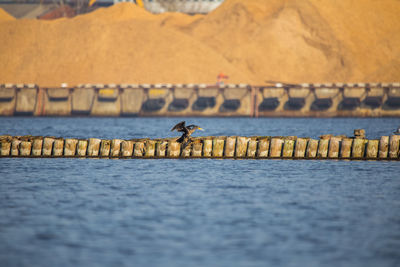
column 187, row 131
column 397, row 131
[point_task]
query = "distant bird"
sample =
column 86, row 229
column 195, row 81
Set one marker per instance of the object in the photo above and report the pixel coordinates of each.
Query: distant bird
column 187, row 131
column 397, row 131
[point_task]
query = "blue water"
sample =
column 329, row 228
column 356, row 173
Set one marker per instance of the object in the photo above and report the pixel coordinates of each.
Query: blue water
column 101, row 212
column 127, row 128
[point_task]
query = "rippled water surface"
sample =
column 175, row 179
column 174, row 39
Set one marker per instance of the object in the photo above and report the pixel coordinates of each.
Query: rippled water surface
column 100, row 212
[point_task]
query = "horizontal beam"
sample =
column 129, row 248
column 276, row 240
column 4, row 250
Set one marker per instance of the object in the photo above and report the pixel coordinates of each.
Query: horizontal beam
column 278, row 100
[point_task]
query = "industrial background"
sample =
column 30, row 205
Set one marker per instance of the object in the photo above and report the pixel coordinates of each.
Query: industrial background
column 200, row 58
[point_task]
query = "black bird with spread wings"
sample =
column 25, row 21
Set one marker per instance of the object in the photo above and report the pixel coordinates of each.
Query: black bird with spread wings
column 186, row 130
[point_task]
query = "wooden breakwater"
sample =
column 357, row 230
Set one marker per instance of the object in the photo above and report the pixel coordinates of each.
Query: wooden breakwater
column 239, row 147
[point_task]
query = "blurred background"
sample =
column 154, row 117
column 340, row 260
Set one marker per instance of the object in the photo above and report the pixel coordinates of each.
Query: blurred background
column 315, row 58
column 133, row 69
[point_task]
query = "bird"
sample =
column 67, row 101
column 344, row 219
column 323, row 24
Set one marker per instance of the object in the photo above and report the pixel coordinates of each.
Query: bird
column 397, row 131
column 187, row 131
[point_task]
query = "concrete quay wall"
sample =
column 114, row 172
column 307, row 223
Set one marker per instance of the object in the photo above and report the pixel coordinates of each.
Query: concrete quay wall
column 230, row 147
column 278, row 100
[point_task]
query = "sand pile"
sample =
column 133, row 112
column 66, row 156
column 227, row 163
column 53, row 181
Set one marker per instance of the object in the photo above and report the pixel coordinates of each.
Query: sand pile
column 4, row 16
column 252, row 41
column 316, row 40
column 121, row 44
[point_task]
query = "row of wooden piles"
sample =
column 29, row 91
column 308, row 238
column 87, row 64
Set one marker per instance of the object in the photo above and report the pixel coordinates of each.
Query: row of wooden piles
column 265, row 147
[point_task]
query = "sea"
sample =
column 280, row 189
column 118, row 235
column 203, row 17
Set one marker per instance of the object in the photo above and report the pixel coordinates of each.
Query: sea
column 198, row 212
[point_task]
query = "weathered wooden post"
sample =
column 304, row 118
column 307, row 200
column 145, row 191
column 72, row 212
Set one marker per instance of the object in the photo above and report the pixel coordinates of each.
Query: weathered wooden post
column 383, row 147
column 276, row 147
column 47, row 146
column 263, row 147
column 230, row 146
column 197, row 149
column 323, row 148
column 58, row 147
column 174, row 149
column 115, row 149
column 37, row 145
column 127, row 148
column 15, row 143
column 334, row 146
column 300, row 149
column 345, row 151
column 358, row 148
column 150, row 149
column 252, row 148
column 207, row 147
column 82, row 148
column 138, row 150
column 105, row 147
column 93, row 147
column 394, row 146
column 25, row 148
column 5, row 147
column 161, row 148
column 312, row 148
column 372, row 149
column 288, row 146
column 241, row 146
column 218, row 147
column 70, row 147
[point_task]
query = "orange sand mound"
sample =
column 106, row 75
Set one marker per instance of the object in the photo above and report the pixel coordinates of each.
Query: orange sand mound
column 5, row 16
column 315, row 40
column 252, row 41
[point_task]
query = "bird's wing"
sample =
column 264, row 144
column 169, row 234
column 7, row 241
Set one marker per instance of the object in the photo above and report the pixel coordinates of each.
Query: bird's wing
column 180, row 127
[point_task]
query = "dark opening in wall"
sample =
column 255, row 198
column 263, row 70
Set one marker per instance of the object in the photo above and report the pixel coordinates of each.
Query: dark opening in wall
column 349, row 104
column 128, row 114
column 230, row 105
column 80, row 112
column 268, row 104
column 321, row 104
column 6, row 99
column 372, row 102
column 294, row 103
column 178, row 104
column 392, row 103
column 23, row 113
column 154, row 104
column 203, row 103
column 106, row 99
column 58, row 99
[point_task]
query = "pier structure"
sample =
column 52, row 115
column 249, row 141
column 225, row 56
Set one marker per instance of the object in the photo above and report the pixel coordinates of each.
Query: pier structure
column 227, row 147
column 277, row 100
